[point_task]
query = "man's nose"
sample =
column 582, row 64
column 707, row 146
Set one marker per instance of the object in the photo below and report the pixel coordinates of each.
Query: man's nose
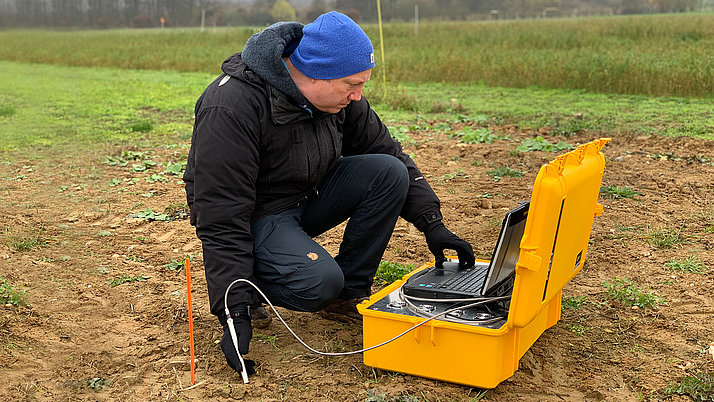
column 355, row 95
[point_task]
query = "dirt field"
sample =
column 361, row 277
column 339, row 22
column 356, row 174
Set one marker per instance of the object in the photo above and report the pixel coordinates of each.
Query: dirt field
column 77, row 217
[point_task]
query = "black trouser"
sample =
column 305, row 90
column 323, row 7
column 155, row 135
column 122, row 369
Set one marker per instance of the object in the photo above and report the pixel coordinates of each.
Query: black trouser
column 297, row 273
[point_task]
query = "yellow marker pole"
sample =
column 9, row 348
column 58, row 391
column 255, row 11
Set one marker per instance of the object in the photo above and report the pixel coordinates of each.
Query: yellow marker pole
column 381, row 45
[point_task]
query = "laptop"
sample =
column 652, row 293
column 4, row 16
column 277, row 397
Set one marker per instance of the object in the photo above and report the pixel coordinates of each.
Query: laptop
column 481, row 280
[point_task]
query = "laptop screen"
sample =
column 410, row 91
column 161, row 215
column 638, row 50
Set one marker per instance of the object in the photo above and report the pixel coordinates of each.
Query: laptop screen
column 508, row 248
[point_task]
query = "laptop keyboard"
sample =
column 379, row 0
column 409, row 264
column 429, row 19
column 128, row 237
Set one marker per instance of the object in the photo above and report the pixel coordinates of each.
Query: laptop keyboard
column 467, row 280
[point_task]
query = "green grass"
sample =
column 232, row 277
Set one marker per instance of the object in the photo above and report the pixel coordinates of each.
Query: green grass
column 503, row 171
column 71, row 106
column 7, row 110
column 699, row 387
column 689, row 264
column 662, row 55
column 624, row 291
column 63, row 106
column 666, row 238
column 25, row 241
column 536, row 108
column 10, row 295
column 614, row 192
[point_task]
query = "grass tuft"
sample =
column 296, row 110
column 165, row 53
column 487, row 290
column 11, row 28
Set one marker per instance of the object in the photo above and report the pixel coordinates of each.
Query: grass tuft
column 615, row 192
column 689, row 264
column 25, row 242
column 666, row 238
column 624, row 291
column 10, row 295
column 7, row 110
column 140, row 126
column 503, row 171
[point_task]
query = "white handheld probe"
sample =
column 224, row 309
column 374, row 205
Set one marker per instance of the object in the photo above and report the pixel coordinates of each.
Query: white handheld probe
column 234, row 337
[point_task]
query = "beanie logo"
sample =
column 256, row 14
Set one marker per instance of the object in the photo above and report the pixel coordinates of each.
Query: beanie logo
column 371, row 57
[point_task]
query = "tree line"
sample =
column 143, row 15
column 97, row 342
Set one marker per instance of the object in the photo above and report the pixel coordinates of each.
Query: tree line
column 102, row 14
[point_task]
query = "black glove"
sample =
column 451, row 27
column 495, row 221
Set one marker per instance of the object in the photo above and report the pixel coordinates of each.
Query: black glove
column 244, row 331
column 439, row 238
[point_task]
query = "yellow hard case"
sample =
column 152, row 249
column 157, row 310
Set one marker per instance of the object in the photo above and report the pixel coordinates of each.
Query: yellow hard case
column 553, row 249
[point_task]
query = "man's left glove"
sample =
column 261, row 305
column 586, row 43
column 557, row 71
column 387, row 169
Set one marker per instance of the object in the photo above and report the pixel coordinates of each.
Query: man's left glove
column 439, row 238
column 244, row 331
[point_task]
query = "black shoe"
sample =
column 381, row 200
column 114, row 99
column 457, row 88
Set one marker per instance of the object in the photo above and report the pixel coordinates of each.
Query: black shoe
column 259, row 317
column 343, row 310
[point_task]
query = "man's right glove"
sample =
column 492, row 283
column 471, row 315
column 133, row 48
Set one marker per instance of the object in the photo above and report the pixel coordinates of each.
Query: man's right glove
column 244, row 331
column 439, row 238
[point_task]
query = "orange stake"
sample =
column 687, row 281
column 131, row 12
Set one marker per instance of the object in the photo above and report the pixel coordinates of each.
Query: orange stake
column 190, row 317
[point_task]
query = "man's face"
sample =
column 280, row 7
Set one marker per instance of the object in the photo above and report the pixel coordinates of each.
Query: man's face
column 334, row 95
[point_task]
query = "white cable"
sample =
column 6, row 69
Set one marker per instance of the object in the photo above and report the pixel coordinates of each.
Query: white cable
column 235, row 342
column 491, row 320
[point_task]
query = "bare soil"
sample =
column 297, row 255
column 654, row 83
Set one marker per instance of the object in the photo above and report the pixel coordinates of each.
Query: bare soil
column 67, row 232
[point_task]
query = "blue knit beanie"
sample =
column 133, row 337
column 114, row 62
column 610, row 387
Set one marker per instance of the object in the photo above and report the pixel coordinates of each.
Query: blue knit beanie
column 333, row 46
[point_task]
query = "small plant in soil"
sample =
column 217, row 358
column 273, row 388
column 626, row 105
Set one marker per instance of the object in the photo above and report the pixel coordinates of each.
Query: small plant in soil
column 26, row 242
column 666, row 238
column 98, row 383
column 624, row 291
column 177, row 265
column 175, row 169
column 689, row 264
column 389, row 272
column 156, row 178
column 541, row 144
column 577, row 329
column 573, row 302
column 455, row 174
column 699, row 387
column 10, row 295
column 150, row 215
column 504, row 171
column 615, row 192
column 123, row 278
column 475, row 136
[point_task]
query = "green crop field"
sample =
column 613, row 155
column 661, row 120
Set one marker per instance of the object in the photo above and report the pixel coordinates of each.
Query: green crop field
column 49, row 105
column 594, row 74
column 664, row 55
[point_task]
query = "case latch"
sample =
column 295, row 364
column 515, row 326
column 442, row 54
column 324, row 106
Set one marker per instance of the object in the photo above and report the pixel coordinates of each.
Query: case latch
column 530, row 261
column 598, row 209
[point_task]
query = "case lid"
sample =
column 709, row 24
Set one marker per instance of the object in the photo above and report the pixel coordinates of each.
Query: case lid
column 560, row 218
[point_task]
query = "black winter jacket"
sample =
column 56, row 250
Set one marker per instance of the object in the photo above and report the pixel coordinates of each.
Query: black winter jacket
column 259, row 148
